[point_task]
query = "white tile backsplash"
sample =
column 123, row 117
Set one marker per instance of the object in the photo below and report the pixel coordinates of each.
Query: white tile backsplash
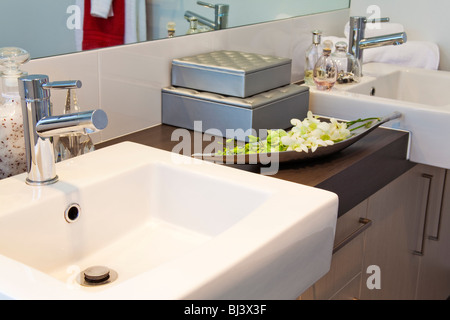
column 78, row 66
column 130, row 106
column 126, row 81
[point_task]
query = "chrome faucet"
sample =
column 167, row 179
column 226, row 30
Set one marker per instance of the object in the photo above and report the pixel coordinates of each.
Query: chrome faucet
column 40, row 126
column 220, row 15
column 357, row 41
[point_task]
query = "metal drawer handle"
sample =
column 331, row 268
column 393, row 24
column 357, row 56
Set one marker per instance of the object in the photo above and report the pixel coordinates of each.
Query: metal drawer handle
column 365, row 223
column 420, row 252
column 438, row 230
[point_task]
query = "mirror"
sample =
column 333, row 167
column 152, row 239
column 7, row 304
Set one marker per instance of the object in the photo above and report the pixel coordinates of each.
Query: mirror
column 49, row 27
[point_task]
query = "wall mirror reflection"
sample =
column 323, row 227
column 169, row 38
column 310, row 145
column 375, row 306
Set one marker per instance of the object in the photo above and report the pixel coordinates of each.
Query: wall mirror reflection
column 50, row 27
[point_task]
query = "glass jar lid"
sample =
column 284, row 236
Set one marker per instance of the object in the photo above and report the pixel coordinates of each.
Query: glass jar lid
column 12, row 58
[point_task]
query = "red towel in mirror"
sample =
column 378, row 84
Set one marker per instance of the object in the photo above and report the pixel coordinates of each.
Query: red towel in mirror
column 99, row 32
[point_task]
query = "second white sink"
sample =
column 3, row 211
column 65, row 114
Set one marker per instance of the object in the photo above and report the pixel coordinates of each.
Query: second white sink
column 418, row 86
column 422, row 96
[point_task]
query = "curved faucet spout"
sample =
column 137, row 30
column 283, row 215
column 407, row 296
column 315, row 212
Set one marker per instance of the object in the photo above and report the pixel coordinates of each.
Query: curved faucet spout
column 81, row 122
column 393, row 39
column 220, row 15
column 357, row 41
column 201, row 19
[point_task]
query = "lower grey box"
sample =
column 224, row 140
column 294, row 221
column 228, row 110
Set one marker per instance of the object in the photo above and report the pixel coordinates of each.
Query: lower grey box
column 233, row 117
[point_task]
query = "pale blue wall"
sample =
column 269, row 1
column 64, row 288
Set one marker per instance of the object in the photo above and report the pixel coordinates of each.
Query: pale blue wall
column 38, row 26
column 242, row 12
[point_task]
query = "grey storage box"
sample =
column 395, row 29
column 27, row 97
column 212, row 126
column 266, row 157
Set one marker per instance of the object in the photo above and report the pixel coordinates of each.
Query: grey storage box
column 231, row 73
column 233, row 117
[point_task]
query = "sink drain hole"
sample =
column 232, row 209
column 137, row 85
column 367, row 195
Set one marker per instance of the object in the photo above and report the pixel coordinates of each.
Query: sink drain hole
column 72, row 212
column 96, row 276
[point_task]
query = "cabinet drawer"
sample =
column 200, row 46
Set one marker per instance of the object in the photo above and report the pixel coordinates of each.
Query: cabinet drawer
column 351, row 291
column 347, row 258
column 350, row 225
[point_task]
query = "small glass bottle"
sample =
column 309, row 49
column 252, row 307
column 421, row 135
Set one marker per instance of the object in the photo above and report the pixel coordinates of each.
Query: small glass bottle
column 12, row 141
column 193, row 26
column 311, row 56
column 349, row 69
column 171, row 29
column 73, row 144
column 325, row 71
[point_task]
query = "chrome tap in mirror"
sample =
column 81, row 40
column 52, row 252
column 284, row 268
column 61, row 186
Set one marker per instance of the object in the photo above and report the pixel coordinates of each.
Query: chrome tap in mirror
column 358, row 42
column 220, row 16
column 40, row 125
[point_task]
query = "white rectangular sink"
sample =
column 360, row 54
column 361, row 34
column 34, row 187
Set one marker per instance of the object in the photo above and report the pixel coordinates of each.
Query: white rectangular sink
column 422, row 96
column 172, row 227
column 422, row 87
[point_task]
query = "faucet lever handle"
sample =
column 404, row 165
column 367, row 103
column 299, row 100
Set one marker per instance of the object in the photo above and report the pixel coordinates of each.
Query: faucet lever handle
column 220, row 8
column 385, row 19
column 205, row 4
column 69, row 84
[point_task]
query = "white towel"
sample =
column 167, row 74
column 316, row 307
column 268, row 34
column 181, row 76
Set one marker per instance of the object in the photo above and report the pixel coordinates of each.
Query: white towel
column 101, row 8
column 416, row 54
column 377, row 29
column 135, row 21
column 79, row 32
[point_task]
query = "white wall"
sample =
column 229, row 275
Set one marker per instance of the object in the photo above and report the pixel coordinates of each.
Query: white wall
column 422, row 20
column 126, row 81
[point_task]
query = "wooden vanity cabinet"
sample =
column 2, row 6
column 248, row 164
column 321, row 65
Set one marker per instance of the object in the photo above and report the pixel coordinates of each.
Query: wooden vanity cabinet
column 397, row 211
column 434, row 273
column 408, row 239
column 405, row 214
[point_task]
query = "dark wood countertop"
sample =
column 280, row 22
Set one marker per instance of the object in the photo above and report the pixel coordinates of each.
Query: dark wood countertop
column 353, row 174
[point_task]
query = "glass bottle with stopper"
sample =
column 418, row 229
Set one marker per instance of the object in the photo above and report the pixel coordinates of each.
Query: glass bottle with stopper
column 171, row 29
column 325, row 70
column 312, row 55
column 73, row 144
column 349, row 69
column 12, row 141
column 193, row 26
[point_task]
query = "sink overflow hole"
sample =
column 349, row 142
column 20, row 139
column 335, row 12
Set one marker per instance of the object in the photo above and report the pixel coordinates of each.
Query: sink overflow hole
column 372, row 91
column 72, row 213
